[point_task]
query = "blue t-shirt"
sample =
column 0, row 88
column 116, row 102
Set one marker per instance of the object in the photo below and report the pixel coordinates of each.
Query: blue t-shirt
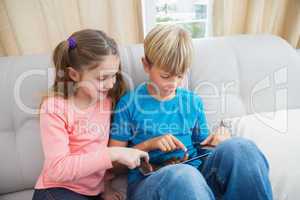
column 139, row 117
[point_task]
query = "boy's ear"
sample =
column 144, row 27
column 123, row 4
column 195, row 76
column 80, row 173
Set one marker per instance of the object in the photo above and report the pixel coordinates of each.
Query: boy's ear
column 146, row 65
column 73, row 74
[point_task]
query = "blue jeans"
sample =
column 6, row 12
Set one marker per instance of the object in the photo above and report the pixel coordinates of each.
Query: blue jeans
column 60, row 194
column 236, row 170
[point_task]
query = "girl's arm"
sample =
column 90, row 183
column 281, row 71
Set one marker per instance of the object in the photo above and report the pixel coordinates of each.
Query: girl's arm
column 120, row 168
column 117, row 167
column 61, row 164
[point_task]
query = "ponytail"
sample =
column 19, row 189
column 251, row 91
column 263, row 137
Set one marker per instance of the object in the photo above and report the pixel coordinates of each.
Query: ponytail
column 63, row 84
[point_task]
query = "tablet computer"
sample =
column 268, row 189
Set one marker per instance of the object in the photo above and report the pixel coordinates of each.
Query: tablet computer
column 147, row 169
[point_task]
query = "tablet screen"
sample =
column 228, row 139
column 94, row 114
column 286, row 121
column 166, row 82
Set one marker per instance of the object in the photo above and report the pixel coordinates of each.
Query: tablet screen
column 147, row 169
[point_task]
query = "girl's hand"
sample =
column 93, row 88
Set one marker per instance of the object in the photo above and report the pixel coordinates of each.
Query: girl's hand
column 108, row 175
column 216, row 138
column 110, row 194
column 128, row 156
column 165, row 143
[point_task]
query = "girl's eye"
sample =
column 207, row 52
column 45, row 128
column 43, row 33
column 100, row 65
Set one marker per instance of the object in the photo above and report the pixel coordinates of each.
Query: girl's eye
column 106, row 77
column 101, row 79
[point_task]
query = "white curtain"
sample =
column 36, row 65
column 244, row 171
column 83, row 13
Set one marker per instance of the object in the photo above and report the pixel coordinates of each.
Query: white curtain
column 278, row 17
column 37, row 26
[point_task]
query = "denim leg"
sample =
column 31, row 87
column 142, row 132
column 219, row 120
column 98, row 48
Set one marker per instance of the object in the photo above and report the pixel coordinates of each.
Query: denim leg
column 58, row 194
column 237, row 170
column 174, row 182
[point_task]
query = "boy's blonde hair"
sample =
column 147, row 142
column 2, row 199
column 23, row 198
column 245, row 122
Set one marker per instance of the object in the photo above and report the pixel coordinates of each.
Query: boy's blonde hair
column 169, row 47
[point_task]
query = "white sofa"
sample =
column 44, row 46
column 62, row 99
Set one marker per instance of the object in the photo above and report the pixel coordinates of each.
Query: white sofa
column 248, row 76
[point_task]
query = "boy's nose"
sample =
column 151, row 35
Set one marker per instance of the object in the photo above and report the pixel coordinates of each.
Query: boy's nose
column 171, row 85
column 174, row 82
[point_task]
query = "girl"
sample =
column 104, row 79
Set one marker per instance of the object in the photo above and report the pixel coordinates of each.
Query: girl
column 75, row 120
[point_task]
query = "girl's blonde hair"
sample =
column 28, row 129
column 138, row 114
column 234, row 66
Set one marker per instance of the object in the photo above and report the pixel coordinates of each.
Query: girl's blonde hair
column 169, row 47
column 82, row 51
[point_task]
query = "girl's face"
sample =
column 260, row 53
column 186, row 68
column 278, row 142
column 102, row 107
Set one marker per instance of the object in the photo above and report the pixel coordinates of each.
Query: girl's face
column 96, row 82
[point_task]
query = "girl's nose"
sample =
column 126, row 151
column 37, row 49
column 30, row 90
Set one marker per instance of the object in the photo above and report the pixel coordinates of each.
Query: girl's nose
column 110, row 83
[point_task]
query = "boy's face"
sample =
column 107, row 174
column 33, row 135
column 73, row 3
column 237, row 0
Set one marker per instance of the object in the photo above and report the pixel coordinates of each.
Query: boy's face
column 163, row 82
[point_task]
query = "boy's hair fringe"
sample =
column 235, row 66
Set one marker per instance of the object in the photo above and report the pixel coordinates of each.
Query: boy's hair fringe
column 169, row 47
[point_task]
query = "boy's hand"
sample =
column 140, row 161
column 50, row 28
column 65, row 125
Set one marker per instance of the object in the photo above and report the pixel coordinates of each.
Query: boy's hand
column 220, row 135
column 177, row 160
column 165, row 143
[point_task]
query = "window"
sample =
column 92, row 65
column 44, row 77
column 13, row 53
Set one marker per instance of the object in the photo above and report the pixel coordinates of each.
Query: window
column 193, row 15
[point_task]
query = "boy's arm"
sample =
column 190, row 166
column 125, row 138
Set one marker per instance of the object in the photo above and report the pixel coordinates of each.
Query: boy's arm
column 165, row 143
column 120, row 132
column 203, row 134
column 201, row 131
column 218, row 136
column 117, row 143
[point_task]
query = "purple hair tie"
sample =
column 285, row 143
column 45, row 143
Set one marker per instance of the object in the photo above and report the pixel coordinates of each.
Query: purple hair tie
column 72, row 42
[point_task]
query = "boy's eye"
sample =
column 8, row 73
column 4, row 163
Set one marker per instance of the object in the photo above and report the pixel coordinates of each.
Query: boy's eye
column 168, row 76
column 165, row 76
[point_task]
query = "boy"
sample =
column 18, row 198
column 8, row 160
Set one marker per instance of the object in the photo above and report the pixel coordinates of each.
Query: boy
column 167, row 121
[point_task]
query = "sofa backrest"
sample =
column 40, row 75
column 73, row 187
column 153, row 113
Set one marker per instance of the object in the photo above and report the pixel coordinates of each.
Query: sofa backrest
column 234, row 75
column 20, row 147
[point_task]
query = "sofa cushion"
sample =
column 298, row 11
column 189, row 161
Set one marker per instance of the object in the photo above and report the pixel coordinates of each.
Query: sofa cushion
column 245, row 74
column 21, row 195
column 278, row 135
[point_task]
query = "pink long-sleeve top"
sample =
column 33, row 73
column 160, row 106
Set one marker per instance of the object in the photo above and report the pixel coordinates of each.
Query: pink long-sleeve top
column 75, row 145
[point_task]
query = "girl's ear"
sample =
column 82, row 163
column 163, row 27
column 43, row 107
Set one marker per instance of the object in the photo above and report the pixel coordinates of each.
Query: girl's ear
column 146, row 65
column 73, row 74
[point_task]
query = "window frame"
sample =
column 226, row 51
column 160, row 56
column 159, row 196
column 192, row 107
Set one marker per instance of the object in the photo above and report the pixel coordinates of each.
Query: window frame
column 149, row 17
